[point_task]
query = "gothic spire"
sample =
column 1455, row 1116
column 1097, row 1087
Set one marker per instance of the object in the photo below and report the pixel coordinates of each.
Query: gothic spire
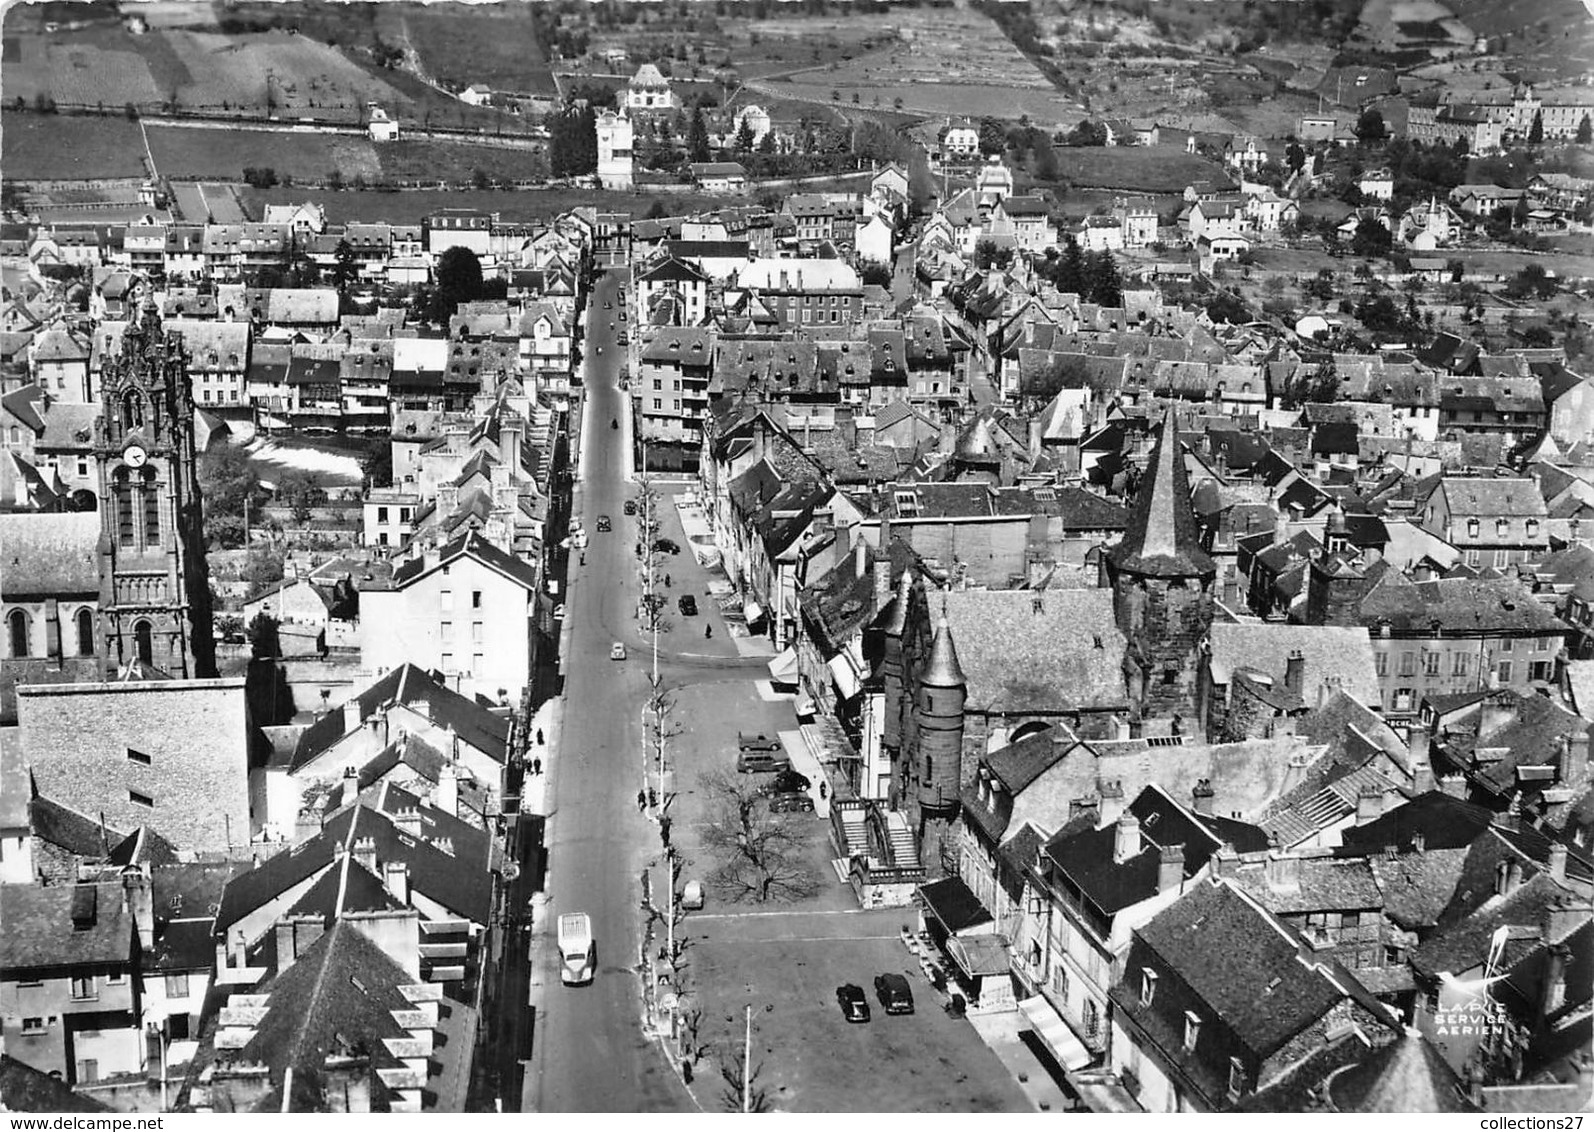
column 1162, row 538
column 943, row 671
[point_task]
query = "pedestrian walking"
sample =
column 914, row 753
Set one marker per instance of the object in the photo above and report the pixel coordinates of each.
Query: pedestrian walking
column 666, row 581
column 824, row 790
column 536, row 766
column 539, row 737
column 664, row 831
column 708, row 632
column 641, row 800
column 653, row 797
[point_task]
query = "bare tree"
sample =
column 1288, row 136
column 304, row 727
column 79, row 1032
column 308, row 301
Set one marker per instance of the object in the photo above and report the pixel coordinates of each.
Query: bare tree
column 730, row 1062
column 759, row 855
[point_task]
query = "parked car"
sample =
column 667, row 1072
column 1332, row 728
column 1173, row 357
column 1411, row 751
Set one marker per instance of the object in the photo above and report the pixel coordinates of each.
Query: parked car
column 667, row 546
column 623, row 340
column 687, row 605
column 791, row 804
column 854, row 1006
column 762, row 762
column 608, row 306
column 896, row 997
column 604, row 523
column 692, row 895
column 747, row 741
column 559, row 612
column 617, row 651
column 630, row 507
column 790, row 782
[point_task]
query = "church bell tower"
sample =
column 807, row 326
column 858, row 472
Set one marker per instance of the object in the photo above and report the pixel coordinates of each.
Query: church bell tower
column 155, row 605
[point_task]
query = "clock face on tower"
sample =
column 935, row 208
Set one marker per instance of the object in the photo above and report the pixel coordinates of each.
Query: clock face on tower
column 134, row 456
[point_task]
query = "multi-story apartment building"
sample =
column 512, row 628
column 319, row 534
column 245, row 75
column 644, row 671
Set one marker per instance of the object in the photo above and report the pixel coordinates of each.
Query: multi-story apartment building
column 1495, row 522
column 806, row 292
column 672, row 384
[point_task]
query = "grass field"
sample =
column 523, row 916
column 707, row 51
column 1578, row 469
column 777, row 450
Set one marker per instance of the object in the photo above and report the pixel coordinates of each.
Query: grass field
column 1148, row 169
column 495, row 44
column 224, row 154
column 414, row 160
column 408, row 207
column 44, row 147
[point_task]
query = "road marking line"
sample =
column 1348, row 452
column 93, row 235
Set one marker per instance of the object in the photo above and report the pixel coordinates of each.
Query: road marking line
column 792, row 912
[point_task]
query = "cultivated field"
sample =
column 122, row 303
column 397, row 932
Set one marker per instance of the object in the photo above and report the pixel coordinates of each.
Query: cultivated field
column 423, row 159
column 40, row 147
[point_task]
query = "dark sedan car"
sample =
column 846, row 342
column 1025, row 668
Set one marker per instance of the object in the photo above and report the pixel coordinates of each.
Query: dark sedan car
column 894, row 993
column 667, row 546
column 790, row 782
column 630, row 507
column 854, row 1006
column 687, row 605
column 791, row 804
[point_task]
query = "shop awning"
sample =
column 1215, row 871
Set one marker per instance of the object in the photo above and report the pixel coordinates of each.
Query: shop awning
column 783, row 669
column 805, row 707
column 1054, row 1033
column 979, row 955
column 752, row 611
column 846, row 679
column 953, row 903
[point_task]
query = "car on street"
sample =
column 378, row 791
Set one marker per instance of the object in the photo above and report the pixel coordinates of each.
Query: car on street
column 623, row 340
column 896, row 997
column 559, row 612
column 791, row 804
column 604, row 523
column 667, row 546
column 630, row 507
column 622, row 315
column 608, row 305
column 687, row 605
column 854, row 1006
column 617, row 651
column 747, row 741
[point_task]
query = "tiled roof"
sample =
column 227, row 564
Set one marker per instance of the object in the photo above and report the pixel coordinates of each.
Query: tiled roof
column 1162, row 538
column 1409, row 1076
column 1341, row 654
column 1323, row 884
column 49, row 555
column 1457, row 605
column 1025, row 651
column 66, row 925
column 1465, row 946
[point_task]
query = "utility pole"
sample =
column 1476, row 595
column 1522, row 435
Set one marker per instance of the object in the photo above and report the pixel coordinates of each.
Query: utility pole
column 747, row 1063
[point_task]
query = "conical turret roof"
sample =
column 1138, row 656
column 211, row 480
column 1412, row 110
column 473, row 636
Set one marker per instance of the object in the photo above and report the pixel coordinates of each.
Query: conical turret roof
column 1408, row 1075
column 1162, row 538
column 943, row 671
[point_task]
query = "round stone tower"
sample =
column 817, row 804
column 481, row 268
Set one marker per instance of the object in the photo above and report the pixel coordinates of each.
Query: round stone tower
column 936, row 771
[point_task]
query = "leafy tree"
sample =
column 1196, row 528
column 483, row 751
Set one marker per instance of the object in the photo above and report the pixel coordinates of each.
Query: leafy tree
column 1370, row 126
column 228, row 486
column 1087, row 133
column 993, row 138
column 459, row 280
column 1371, row 238
column 697, row 136
column 1295, row 157
column 877, row 273
column 745, row 135
column 1585, row 131
column 479, row 178
column 131, row 111
column 301, row 492
column 376, row 464
column 1536, row 130
column 656, row 210
column 988, row 254
column 1531, row 282
column 1103, row 284
column 573, row 142
column 344, row 269
column 262, row 568
column 1226, row 306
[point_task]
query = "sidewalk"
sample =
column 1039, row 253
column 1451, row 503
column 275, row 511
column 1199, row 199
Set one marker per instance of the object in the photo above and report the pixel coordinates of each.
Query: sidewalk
column 1000, row 1032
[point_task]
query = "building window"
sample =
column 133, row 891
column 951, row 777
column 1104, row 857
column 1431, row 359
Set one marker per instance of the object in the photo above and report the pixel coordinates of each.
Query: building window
column 1408, row 663
column 476, row 632
column 1148, row 985
column 1539, row 670
column 1236, row 1077
column 1472, row 528
column 1381, row 663
column 446, row 631
column 1462, row 662
column 85, row 987
column 32, row 1027
column 448, row 662
column 475, row 599
column 1431, row 663
column 381, row 514
column 1505, row 672
column 152, row 509
column 176, row 986
column 138, row 799
column 477, row 664
column 116, row 978
column 929, row 768
column 123, row 491
column 1192, row 1029
column 446, row 600
column 17, row 632
column 85, row 632
column 1502, row 527
column 136, row 756
column 144, row 642
column 1533, row 528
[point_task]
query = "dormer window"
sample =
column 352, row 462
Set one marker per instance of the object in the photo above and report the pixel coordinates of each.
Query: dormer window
column 1533, row 528
column 1192, row 1029
column 1473, row 527
column 1236, row 1077
column 1148, row 985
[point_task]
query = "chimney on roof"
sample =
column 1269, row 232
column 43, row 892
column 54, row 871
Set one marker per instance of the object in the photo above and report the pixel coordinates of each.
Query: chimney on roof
column 352, row 718
column 446, row 796
column 364, row 854
column 860, row 557
column 407, row 821
column 140, row 905
column 882, row 566
column 1295, row 671
column 1170, row 868
column 1557, row 862
column 1369, row 804
column 1419, row 757
column 1282, row 871
column 1112, row 801
column 1562, row 916
column 295, row 936
column 1507, row 877
column 1201, row 797
column 1126, row 837
column 396, row 875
